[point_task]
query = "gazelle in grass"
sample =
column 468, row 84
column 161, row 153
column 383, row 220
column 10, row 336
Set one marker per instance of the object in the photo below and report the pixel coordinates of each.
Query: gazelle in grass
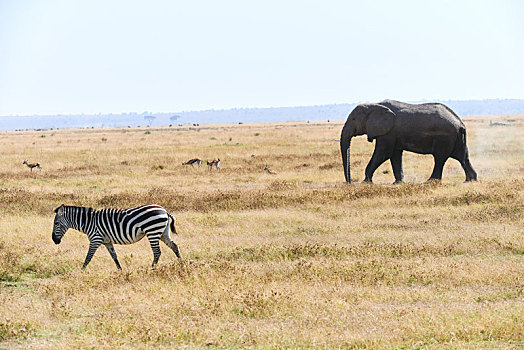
column 193, row 161
column 32, row 165
column 214, row 163
column 269, row 170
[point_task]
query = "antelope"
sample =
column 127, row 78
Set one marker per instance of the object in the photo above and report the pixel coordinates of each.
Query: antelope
column 268, row 169
column 193, row 161
column 32, row 165
column 214, row 163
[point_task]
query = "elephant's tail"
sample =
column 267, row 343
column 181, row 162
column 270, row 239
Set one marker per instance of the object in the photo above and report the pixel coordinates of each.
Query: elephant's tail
column 471, row 174
column 460, row 146
column 462, row 134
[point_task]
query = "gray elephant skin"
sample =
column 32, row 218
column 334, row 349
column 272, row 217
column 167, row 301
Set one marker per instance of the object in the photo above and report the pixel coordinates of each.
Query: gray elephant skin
column 428, row 128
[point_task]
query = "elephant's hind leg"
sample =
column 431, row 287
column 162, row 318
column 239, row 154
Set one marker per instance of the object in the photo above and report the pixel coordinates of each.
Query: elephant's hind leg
column 471, row 174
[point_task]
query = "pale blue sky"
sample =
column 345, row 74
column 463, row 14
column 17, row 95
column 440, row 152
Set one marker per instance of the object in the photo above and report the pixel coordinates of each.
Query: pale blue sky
column 167, row 56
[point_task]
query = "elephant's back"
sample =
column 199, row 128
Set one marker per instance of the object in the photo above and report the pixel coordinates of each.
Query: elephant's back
column 425, row 115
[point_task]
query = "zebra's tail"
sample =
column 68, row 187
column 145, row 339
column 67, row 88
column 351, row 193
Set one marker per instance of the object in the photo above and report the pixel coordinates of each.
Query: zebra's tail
column 172, row 223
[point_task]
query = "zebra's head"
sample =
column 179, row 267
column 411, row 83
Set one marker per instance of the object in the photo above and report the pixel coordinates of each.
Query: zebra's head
column 61, row 224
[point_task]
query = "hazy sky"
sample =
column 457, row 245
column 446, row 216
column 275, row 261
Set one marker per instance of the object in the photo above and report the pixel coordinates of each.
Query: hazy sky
column 167, row 56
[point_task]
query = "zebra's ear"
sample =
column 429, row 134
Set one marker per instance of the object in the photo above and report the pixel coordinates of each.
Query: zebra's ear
column 60, row 210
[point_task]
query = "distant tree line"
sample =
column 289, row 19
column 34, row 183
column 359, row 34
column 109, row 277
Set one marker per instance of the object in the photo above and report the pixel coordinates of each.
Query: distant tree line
column 238, row 115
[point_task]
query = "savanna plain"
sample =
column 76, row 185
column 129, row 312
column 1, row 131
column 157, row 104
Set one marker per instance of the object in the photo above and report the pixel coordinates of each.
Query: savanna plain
column 296, row 259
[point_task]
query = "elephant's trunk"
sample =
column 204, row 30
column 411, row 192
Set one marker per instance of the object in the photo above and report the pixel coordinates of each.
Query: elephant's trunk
column 345, row 143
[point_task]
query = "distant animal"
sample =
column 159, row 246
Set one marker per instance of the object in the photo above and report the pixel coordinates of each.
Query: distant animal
column 269, row 170
column 32, row 165
column 117, row 226
column 491, row 123
column 214, row 163
column 428, row 128
column 193, row 161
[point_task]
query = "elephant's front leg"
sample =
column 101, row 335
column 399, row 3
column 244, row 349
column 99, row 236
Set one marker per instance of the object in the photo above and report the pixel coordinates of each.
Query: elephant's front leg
column 396, row 164
column 437, row 169
column 381, row 153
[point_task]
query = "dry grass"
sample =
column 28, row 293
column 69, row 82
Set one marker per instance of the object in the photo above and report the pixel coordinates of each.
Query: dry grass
column 296, row 259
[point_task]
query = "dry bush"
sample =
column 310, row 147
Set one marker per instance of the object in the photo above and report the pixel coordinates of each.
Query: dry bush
column 329, row 166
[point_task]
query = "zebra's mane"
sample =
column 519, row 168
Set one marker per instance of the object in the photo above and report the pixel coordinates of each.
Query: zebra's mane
column 89, row 210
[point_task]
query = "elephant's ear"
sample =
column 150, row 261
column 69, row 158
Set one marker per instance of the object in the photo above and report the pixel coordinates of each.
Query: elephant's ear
column 380, row 121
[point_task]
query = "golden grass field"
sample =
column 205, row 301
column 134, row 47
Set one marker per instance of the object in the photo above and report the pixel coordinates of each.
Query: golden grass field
column 292, row 260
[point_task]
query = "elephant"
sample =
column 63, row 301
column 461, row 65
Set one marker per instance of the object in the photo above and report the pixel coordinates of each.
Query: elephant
column 427, row 128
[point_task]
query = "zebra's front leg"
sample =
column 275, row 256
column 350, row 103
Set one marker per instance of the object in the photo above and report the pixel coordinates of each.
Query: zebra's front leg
column 93, row 246
column 155, row 246
column 112, row 252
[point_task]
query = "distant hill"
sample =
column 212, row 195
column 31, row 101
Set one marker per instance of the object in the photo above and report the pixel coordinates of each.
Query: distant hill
column 486, row 107
column 237, row 115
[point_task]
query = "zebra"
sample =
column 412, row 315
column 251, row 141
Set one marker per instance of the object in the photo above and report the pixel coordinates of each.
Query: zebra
column 117, row 226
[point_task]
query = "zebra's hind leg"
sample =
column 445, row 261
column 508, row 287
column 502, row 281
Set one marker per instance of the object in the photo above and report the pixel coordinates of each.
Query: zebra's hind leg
column 155, row 246
column 167, row 240
column 93, row 246
column 112, row 252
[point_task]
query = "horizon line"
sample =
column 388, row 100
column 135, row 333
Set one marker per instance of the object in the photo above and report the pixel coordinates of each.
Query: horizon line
column 236, row 108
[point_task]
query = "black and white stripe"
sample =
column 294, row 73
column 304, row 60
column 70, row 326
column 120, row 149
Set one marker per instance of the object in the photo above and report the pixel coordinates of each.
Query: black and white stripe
column 117, row 226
